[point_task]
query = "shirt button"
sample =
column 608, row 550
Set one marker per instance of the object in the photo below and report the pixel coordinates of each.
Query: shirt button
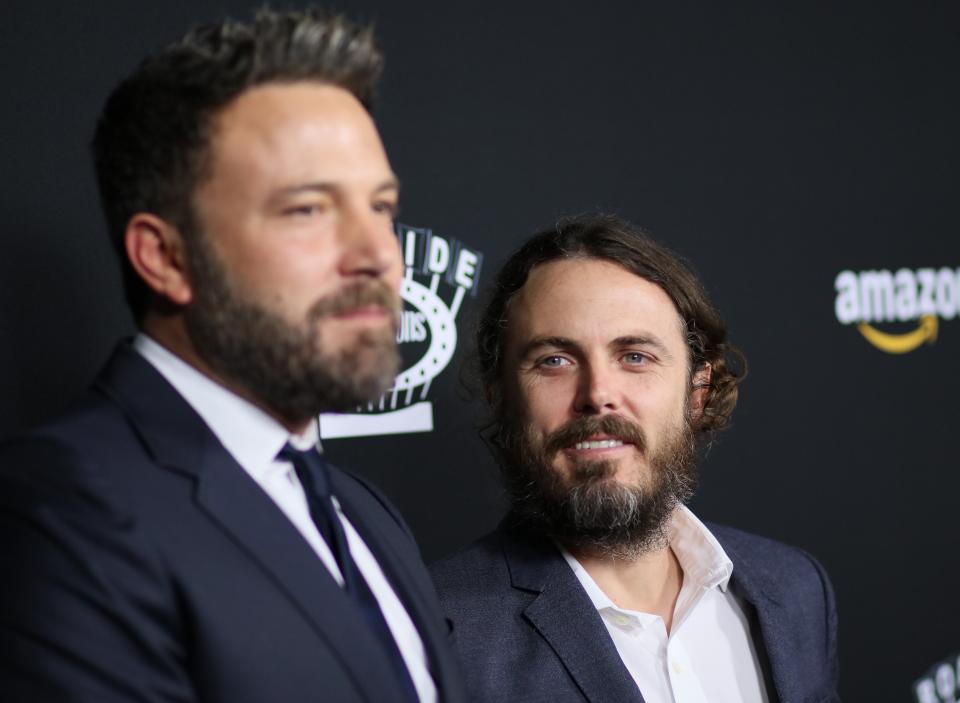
column 677, row 669
column 622, row 619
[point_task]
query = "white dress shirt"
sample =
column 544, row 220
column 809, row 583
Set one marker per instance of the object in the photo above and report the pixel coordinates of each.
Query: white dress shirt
column 254, row 439
column 708, row 654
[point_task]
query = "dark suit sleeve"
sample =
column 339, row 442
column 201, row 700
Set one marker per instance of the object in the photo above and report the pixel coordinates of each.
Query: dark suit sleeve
column 830, row 620
column 84, row 601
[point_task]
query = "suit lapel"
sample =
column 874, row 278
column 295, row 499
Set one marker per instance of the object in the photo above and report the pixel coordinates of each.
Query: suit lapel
column 562, row 613
column 259, row 527
column 179, row 440
column 750, row 583
column 399, row 568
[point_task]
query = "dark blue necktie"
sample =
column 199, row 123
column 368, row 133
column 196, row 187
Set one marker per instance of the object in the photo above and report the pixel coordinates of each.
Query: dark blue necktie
column 314, row 476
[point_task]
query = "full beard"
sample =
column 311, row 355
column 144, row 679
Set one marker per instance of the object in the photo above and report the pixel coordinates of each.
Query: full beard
column 286, row 366
column 590, row 510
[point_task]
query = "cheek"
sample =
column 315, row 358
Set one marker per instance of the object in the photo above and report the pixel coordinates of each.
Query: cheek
column 297, row 279
column 655, row 396
column 521, row 401
column 544, row 408
column 661, row 415
column 256, row 271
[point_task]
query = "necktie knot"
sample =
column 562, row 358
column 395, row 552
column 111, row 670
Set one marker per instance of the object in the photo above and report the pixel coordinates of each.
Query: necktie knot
column 310, row 467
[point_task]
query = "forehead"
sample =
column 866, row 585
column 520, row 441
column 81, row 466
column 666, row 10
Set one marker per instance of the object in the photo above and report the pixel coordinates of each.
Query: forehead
column 591, row 301
column 302, row 126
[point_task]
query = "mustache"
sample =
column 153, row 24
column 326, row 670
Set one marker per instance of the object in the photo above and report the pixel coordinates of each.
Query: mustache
column 583, row 428
column 355, row 296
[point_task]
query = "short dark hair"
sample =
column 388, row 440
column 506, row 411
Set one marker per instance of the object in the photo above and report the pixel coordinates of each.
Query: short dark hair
column 151, row 146
column 610, row 238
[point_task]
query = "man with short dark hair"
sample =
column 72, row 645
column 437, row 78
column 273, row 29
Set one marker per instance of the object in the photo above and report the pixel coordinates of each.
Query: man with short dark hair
column 605, row 365
column 177, row 535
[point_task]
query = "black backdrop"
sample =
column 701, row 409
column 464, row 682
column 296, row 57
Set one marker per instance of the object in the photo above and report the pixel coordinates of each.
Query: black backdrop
column 775, row 145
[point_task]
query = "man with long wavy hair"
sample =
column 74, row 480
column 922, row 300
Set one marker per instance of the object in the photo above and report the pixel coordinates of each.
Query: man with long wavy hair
column 607, row 369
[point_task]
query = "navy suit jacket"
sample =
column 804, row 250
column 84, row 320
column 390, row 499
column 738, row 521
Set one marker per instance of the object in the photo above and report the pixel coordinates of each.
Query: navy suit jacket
column 140, row 562
column 526, row 630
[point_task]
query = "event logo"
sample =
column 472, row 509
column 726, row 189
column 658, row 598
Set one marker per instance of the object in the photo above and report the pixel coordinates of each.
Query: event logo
column 941, row 684
column 920, row 297
column 436, row 270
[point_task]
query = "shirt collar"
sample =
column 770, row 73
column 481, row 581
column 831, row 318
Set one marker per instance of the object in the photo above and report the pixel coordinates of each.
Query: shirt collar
column 700, row 555
column 704, row 563
column 249, row 434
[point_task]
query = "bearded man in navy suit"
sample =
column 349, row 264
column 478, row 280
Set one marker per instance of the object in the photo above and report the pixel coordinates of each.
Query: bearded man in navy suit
column 177, row 535
column 605, row 364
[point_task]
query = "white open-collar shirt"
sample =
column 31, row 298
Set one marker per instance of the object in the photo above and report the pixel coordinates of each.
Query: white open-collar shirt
column 254, row 439
column 708, row 655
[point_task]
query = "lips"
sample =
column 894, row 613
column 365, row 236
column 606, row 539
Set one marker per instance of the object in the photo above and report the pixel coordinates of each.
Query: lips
column 599, row 444
column 596, row 433
column 364, row 311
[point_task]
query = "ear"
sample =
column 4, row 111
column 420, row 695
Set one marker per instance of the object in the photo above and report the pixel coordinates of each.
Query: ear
column 700, row 391
column 156, row 252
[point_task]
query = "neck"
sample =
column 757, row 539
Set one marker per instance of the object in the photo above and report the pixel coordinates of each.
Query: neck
column 649, row 584
column 170, row 332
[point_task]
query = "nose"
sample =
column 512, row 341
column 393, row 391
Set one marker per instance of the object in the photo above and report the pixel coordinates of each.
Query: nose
column 370, row 247
column 596, row 390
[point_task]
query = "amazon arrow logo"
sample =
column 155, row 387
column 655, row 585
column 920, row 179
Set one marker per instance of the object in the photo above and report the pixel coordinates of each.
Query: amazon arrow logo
column 922, row 296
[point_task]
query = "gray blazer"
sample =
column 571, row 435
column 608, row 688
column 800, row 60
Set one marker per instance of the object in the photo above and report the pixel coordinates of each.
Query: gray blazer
column 525, row 629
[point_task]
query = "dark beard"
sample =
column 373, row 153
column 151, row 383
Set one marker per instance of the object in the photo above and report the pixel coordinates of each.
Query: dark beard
column 285, row 366
column 590, row 510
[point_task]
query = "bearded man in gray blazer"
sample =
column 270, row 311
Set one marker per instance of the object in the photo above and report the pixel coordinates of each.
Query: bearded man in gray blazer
column 605, row 365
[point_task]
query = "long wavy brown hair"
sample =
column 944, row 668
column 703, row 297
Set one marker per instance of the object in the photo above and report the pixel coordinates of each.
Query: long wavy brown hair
column 610, row 238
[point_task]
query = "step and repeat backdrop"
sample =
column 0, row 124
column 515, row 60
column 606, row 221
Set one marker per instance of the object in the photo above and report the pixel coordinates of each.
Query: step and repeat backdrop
column 803, row 157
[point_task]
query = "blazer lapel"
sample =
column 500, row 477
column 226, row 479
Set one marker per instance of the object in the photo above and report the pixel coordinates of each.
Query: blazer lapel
column 750, row 583
column 399, row 559
column 562, row 613
column 179, row 440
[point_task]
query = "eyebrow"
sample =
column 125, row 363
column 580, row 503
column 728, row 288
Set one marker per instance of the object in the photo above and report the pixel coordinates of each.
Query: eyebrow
column 643, row 341
column 637, row 340
column 328, row 187
column 546, row 342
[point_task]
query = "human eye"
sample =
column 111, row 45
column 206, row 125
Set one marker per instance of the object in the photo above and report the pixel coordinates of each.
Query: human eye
column 311, row 209
column 635, row 358
column 386, row 206
column 553, row 361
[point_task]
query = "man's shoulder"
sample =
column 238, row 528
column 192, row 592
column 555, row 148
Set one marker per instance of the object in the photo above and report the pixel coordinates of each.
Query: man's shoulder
column 782, row 570
column 93, row 460
column 94, row 423
column 502, row 561
column 739, row 539
column 361, row 493
column 759, row 549
column 68, row 449
column 463, row 568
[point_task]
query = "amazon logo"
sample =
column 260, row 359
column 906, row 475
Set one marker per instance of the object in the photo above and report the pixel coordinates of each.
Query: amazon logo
column 913, row 299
